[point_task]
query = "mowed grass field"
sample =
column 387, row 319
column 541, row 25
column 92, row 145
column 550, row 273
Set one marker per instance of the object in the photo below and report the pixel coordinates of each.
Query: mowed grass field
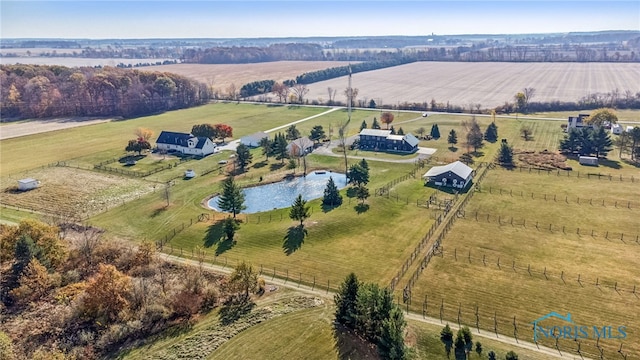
column 488, row 84
column 539, row 268
column 108, row 140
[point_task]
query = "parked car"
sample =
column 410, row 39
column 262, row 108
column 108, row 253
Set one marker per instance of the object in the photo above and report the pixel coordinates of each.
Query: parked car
column 424, row 114
column 189, row 174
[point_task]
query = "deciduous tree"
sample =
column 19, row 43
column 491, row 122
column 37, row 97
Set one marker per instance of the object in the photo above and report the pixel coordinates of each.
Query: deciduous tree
column 281, row 90
column 144, row 133
column 292, row 133
column 601, row 116
column 33, row 283
column 106, row 295
column 386, row 118
column 300, row 90
column 474, row 136
column 223, row 131
column 526, row 133
column 421, row 131
column 453, row 137
column 204, row 130
column 232, row 199
column 299, row 210
column 243, row 279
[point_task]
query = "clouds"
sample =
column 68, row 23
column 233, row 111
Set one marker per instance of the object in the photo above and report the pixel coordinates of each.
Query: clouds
column 226, row 19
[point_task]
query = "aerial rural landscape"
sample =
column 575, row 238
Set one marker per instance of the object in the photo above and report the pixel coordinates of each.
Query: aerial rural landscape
column 319, row 195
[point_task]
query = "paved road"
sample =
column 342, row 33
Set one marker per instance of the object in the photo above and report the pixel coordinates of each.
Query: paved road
column 413, row 316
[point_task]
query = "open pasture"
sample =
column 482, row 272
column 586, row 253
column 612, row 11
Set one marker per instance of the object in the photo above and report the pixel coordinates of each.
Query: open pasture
column 488, row 84
column 221, row 76
column 516, row 272
column 73, row 193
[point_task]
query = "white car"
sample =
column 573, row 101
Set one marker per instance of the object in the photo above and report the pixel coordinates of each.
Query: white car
column 424, row 114
column 189, row 174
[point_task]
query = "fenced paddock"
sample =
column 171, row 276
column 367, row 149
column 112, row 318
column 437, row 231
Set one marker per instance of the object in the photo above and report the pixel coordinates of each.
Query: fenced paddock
column 524, row 257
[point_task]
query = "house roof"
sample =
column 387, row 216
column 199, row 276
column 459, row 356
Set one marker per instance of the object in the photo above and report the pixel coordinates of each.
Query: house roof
column 458, row 168
column 27, row 180
column 303, row 142
column 411, row 140
column 375, row 132
column 255, row 137
column 181, row 139
column 174, row 138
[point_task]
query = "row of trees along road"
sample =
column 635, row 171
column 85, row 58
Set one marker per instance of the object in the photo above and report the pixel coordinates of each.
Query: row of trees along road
column 463, row 345
column 37, row 91
column 370, row 311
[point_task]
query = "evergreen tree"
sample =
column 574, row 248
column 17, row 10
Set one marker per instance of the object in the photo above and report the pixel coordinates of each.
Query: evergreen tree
column 491, row 355
column 265, row 143
column 570, row 144
column 363, row 125
column 292, row 133
column 299, row 210
column 362, row 192
column 393, row 130
column 511, row 356
column 400, row 131
column 332, row 195
column 346, row 301
column 391, row 343
column 364, row 164
column 446, row 336
column 232, row 199
column 586, row 141
column 25, row 250
column 243, row 156
column 435, row 131
column 479, row 349
column 317, row 133
column 375, row 124
column 459, row 346
column 358, row 175
column 491, row 134
column 453, row 137
column 279, row 147
column 505, row 154
column 372, row 104
column 602, row 143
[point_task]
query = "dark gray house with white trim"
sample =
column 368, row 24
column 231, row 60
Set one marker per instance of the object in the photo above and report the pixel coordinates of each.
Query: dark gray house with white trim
column 456, row 175
column 382, row 140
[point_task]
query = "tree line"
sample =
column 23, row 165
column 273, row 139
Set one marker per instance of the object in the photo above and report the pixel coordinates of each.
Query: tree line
column 38, row 91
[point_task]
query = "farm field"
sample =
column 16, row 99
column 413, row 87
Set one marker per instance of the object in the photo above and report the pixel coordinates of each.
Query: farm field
column 488, row 84
column 514, row 271
column 221, row 76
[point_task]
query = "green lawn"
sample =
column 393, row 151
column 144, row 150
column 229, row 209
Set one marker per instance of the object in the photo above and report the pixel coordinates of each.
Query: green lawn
column 623, row 114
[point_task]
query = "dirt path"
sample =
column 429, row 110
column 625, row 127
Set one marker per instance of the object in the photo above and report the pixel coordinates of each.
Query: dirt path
column 25, row 128
column 413, row 316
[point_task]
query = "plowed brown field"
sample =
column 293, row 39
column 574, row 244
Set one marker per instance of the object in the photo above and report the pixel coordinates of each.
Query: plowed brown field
column 488, row 84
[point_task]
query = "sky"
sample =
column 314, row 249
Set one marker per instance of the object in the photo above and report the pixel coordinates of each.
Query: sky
column 104, row 19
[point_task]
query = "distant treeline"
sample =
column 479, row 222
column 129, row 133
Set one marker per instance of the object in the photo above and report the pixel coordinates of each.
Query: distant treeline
column 334, row 72
column 34, row 91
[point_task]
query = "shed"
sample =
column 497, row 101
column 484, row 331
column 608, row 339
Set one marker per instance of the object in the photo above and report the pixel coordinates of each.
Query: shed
column 456, row 174
column 253, row 140
column 588, row 160
column 616, row 129
column 28, row 184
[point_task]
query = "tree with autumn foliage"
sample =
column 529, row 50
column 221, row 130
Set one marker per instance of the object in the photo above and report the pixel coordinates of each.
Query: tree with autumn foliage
column 33, row 283
column 106, row 295
column 387, row 118
column 223, row 131
column 144, row 133
column 204, row 130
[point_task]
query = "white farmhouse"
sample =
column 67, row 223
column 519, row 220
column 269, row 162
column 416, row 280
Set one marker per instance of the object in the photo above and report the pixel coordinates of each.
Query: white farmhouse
column 185, row 143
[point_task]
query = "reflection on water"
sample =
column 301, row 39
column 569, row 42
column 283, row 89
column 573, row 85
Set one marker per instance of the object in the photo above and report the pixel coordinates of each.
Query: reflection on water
column 282, row 194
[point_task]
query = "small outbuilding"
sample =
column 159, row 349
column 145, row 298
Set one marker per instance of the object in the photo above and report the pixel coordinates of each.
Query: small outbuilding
column 28, row 184
column 616, row 129
column 253, row 140
column 456, row 175
column 588, row 160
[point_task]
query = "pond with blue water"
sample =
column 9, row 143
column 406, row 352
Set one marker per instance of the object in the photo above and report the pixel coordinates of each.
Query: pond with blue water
column 281, row 195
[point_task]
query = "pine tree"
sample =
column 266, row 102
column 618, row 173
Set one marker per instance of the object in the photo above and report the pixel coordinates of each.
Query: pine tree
column 232, row 199
column 279, row 147
column 571, row 142
column 446, row 336
column 243, row 156
column 299, row 210
column 393, row 130
column 265, row 143
column 317, row 133
column 505, row 154
column 453, row 137
column 474, row 136
column 363, row 125
column 602, row 143
column 332, row 195
column 358, row 175
column 346, row 301
column 391, row 343
column 491, row 134
column 375, row 124
column 400, row 131
column 435, row 131
column 362, row 192
column 292, row 133
column 364, row 164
